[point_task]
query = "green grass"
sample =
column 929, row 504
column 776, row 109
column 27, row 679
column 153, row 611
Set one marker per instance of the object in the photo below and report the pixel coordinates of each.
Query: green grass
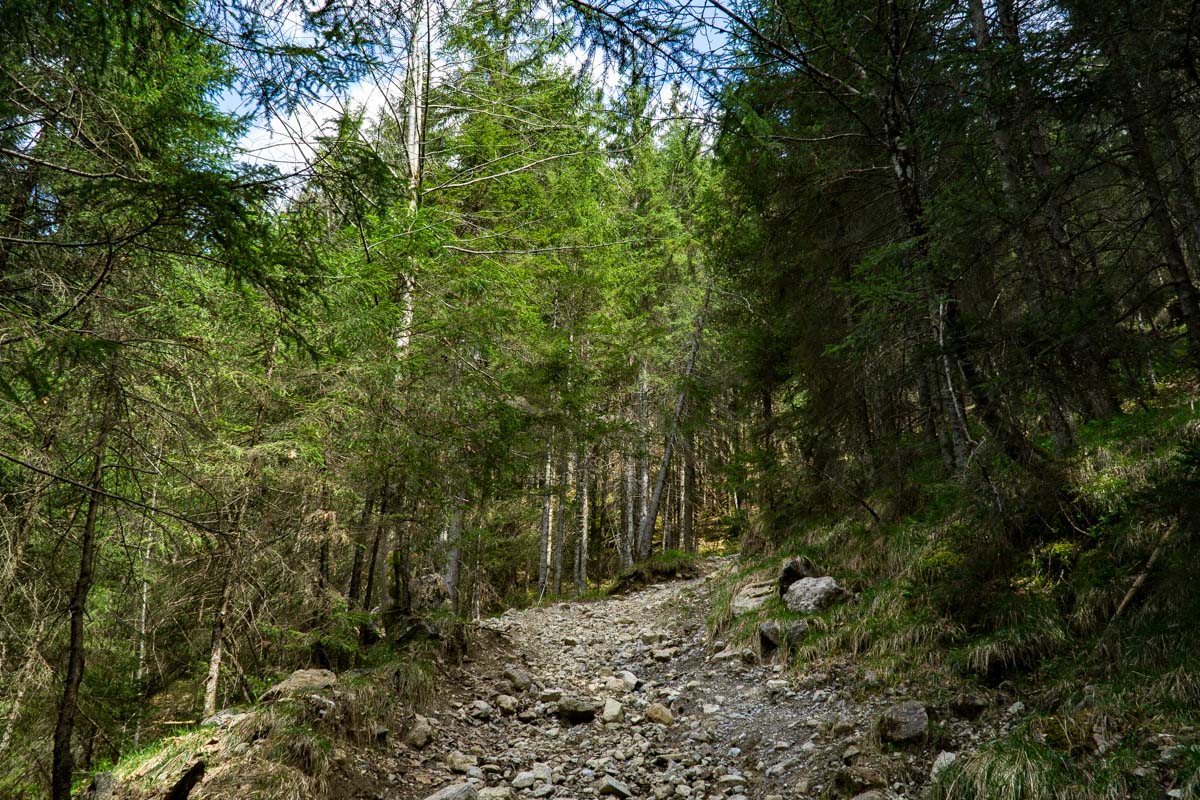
column 952, row 596
column 163, row 761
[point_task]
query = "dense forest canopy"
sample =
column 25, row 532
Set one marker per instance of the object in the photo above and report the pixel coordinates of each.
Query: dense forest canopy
column 584, row 284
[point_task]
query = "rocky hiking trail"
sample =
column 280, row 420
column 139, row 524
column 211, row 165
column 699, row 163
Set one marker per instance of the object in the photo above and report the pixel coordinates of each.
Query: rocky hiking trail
column 628, row 697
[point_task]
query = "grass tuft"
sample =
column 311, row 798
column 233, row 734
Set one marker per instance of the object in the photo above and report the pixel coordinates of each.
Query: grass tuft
column 1017, row 768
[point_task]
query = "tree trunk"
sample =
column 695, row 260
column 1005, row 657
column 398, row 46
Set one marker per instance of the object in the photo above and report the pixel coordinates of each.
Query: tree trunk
column 547, row 517
column 645, row 535
column 354, row 592
column 368, row 600
column 21, row 680
column 454, row 554
column 641, row 549
column 216, row 651
column 688, row 523
column 560, row 523
column 143, row 612
column 581, row 488
column 630, row 535
column 62, row 763
column 1168, row 240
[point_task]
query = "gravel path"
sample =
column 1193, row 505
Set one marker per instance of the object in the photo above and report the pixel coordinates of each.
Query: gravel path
column 628, row 698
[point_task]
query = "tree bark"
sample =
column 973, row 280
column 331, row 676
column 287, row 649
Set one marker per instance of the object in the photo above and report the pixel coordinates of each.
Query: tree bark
column 547, row 518
column 645, row 535
column 62, row 762
column 216, row 651
column 630, row 528
column 454, row 553
column 354, row 591
column 368, row 599
column 1168, row 239
column 560, row 523
column 581, row 487
column 688, row 524
column 21, row 681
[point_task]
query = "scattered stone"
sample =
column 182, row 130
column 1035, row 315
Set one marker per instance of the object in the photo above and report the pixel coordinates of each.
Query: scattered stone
column 574, row 708
column 810, row 595
column 793, row 570
column 611, row 786
column 903, row 722
column 518, row 677
column 858, row 778
column 302, row 681
column 770, row 635
column 732, row 653
column 942, row 763
column 496, row 793
column 657, row 712
column 614, row 684
column 797, row 632
column 702, row 725
column 461, row 791
column 460, row 762
column 751, row 598
column 969, row 705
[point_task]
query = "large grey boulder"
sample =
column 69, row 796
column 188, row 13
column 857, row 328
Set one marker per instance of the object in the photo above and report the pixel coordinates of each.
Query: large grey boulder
column 419, row 733
column 574, row 708
column 751, row 598
column 904, row 722
column 810, row 595
column 461, row 791
column 773, row 635
column 302, row 681
column 518, row 677
column 793, row 570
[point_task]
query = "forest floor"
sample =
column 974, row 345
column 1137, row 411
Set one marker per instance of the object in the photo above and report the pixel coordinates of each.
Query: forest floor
column 734, row 727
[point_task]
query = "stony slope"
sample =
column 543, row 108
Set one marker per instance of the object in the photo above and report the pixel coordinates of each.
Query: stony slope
column 676, row 715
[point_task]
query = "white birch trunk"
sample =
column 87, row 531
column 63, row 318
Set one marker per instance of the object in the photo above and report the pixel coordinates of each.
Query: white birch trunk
column 627, row 540
column 547, row 516
column 581, row 488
